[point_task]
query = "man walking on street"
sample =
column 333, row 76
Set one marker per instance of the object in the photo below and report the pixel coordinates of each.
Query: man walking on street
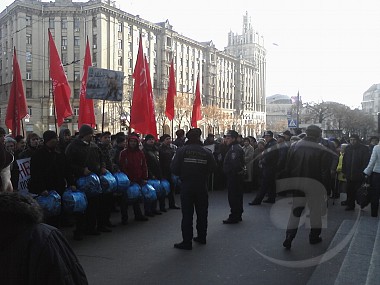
column 193, row 163
column 308, row 166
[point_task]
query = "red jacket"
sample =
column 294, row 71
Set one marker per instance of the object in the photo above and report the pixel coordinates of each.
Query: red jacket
column 133, row 163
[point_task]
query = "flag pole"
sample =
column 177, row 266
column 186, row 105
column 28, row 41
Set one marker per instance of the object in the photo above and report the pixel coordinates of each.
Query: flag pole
column 52, row 94
column 22, row 127
column 104, row 104
column 298, row 109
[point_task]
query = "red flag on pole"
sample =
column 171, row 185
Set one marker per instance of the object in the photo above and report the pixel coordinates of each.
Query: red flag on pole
column 172, row 91
column 86, row 106
column 17, row 108
column 196, row 114
column 142, row 110
column 61, row 88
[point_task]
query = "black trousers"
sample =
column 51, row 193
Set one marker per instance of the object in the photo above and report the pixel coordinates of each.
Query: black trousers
column 105, row 206
column 88, row 221
column 124, row 208
column 194, row 197
column 235, row 195
column 268, row 186
column 375, row 193
column 352, row 187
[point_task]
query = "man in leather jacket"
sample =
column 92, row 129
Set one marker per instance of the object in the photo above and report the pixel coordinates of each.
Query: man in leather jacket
column 308, row 167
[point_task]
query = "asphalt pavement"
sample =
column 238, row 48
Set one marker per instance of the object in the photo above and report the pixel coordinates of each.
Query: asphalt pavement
column 250, row 252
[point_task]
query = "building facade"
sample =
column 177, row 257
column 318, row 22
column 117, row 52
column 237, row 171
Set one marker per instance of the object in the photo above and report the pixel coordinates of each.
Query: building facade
column 232, row 84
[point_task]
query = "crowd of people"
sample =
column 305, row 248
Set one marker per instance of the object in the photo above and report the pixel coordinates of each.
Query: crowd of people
column 238, row 164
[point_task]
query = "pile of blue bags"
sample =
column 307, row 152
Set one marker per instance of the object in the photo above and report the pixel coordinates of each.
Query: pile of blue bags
column 90, row 185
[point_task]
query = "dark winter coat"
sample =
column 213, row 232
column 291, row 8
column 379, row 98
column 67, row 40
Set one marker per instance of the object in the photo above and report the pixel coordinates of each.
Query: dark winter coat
column 80, row 155
column 166, row 153
column 48, row 171
column 152, row 162
column 308, row 158
column 234, row 162
column 32, row 253
column 355, row 160
column 270, row 158
column 193, row 163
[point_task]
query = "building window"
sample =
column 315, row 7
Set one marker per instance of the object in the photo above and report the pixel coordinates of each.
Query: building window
column 120, row 27
column 28, row 75
column 28, row 39
column 28, row 93
column 76, row 25
column 64, row 58
column 120, row 61
column 30, row 110
column 76, row 57
column 94, row 23
column 76, row 41
column 76, row 93
column 28, row 20
column 94, row 58
column 64, row 42
column 28, row 56
column 168, row 42
column 76, row 75
column 76, row 111
column 51, row 23
column 64, row 23
column 120, row 44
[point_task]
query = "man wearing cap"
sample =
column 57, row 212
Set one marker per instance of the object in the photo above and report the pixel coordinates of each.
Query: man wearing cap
column 355, row 160
column 84, row 157
column 234, row 168
column 268, row 161
column 307, row 159
column 193, row 164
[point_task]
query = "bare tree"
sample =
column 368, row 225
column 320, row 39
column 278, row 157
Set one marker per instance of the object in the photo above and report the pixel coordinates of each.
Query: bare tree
column 211, row 116
column 182, row 109
column 160, row 107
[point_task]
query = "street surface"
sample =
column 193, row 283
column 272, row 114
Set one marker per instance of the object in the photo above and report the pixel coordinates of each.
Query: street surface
column 143, row 253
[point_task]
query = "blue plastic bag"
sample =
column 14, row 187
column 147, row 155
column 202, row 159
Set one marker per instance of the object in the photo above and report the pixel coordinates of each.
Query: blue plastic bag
column 51, row 204
column 134, row 192
column 148, row 192
column 166, row 186
column 90, row 185
column 157, row 186
column 108, row 182
column 74, row 201
column 122, row 182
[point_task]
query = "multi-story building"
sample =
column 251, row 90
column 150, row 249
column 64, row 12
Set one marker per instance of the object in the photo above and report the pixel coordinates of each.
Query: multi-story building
column 370, row 103
column 233, row 83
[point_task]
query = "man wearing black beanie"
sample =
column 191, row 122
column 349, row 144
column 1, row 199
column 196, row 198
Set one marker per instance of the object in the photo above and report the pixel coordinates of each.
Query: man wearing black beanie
column 193, row 163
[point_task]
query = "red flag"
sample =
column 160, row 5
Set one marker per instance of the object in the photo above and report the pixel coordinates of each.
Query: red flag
column 172, row 91
column 17, row 108
column 142, row 109
column 61, row 88
column 196, row 114
column 86, row 106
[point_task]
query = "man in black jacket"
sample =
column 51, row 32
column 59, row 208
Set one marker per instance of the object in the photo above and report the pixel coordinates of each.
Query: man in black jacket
column 84, row 157
column 234, row 169
column 193, row 164
column 269, row 162
column 49, row 171
column 308, row 167
column 355, row 160
column 33, row 253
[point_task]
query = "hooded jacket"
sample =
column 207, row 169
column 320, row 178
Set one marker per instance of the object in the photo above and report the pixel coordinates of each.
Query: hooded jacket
column 132, row 162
